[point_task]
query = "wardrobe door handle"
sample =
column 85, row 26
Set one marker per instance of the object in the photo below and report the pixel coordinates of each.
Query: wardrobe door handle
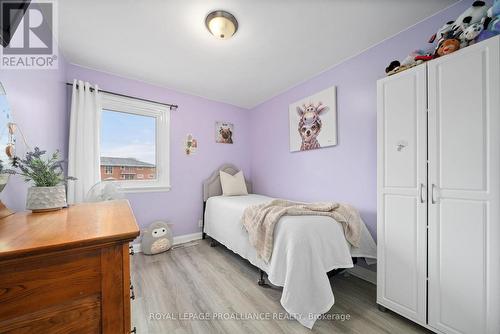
column 422, row 200
column 433, row 199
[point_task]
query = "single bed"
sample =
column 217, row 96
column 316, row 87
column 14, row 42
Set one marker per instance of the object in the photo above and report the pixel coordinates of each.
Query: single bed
column 305, row 248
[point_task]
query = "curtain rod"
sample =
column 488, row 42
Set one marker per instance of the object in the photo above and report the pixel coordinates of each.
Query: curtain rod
column 171, row 106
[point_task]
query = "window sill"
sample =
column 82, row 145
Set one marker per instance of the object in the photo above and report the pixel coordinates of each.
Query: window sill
column 145, row 189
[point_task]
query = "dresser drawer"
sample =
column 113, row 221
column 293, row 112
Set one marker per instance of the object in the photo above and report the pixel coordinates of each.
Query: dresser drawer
column 78, row 316
column 31, row 284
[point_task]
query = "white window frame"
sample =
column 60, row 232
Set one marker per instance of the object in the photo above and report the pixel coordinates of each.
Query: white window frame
column 162, row 145
column 106, row 170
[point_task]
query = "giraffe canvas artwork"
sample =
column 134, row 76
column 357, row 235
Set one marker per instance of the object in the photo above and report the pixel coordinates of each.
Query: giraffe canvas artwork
column 313, row 121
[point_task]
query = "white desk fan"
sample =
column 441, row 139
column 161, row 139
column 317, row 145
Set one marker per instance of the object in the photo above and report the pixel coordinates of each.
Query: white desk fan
column 105, row 190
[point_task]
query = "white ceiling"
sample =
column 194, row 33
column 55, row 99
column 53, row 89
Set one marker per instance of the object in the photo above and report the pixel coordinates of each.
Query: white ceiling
column 279, row 44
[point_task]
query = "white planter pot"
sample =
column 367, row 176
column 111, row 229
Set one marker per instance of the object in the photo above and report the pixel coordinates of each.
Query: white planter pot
column 3, row 180
column 46, row 198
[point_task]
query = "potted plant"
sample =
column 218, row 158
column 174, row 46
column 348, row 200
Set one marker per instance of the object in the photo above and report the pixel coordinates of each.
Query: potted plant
column 49, row 192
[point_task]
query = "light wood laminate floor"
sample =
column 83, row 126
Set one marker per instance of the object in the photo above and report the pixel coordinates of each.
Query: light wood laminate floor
column 194, row 279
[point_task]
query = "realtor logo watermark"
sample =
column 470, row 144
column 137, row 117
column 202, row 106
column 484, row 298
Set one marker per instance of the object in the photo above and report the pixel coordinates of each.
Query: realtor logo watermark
column 33, row 44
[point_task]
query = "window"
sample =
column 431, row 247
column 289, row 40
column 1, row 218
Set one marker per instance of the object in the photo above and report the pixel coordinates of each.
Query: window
column 107, row 170
column 135, row 136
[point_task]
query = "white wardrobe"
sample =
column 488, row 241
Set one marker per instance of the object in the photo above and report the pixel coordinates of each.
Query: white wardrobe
column 438, row 198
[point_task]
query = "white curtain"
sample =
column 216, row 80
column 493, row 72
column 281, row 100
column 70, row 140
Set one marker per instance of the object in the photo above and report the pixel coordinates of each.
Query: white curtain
column 84, row 138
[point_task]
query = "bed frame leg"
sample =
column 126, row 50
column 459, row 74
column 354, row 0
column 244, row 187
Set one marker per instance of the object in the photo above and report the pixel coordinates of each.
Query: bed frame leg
column 381, row 308
column 203, row 236
column 262, row 281
column 213, row 243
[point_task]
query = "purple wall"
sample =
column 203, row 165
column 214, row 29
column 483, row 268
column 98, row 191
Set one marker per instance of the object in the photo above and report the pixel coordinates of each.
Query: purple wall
column 182, row 205
column 343, row 173
column 40, row 102
column 39, row 106
column 346, row 172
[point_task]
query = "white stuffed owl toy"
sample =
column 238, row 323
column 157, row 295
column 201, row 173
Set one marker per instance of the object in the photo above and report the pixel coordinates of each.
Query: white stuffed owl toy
column 156, row 238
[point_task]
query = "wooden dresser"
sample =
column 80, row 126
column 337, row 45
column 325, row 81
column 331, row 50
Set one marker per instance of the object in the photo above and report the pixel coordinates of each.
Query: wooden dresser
column 67, row 271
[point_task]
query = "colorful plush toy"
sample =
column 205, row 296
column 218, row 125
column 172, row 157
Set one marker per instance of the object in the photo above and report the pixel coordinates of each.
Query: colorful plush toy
column 156, row 238
column 477, row 22
column 415, row 58
column 473, row 14
column 393, row 67
column 494, row 10
column 491, row 23
column 442, row 32
column 464, row 29
column 411, row 60
column 469, row 35
column 448, row 46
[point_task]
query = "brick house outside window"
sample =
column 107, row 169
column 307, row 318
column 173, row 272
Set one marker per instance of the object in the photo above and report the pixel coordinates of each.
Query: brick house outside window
column 126, row 169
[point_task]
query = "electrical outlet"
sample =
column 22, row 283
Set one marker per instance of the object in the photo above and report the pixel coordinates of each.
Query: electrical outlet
column 200, row 223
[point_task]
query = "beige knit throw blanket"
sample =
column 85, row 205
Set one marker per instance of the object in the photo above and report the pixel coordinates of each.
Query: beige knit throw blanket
column 260, row 220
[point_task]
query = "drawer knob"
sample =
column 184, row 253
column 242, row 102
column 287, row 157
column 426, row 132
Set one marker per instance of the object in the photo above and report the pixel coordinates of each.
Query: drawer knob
column 132, row 293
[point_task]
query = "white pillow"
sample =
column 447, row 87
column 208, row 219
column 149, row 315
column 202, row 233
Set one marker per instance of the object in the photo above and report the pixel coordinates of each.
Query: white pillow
column 233, row 185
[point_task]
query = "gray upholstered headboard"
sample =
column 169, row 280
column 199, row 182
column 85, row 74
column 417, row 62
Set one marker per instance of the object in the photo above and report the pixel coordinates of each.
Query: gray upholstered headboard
column 212, row 186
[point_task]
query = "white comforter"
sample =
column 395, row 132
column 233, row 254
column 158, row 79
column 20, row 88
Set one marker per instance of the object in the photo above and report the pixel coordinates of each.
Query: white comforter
column 305, row 249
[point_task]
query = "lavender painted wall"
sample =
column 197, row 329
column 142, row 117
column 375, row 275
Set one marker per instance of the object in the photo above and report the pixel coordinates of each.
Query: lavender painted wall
column 39, row 106
column 182, row 206
column 40, row 103
column 346, row 172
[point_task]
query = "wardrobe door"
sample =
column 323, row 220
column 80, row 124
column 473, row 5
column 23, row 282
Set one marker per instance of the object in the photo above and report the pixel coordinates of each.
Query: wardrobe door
column 464, row 184
column 401, row 202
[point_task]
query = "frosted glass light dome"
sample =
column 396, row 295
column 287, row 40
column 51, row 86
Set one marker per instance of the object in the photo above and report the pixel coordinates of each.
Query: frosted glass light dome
column 221, row 24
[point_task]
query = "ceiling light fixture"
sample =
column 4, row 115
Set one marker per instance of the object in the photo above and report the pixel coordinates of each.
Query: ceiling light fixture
column 221, row 24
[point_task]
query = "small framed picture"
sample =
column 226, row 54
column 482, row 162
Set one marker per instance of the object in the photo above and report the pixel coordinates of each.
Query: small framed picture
column 224, row 132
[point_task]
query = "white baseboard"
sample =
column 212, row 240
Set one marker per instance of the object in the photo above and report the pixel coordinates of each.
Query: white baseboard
column 136, row 247
column 363, row 273
column 180, row 239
